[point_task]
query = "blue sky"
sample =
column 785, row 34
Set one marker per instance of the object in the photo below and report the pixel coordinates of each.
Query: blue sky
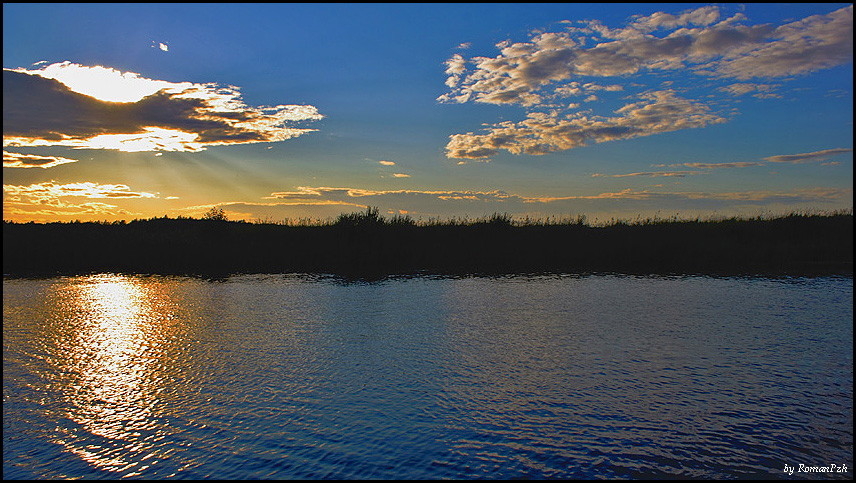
column 276, row 111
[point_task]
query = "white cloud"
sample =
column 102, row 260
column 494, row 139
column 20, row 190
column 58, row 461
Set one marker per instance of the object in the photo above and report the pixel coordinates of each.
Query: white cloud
column 723, row 49
column 551, row 65
column 657, row 112
column 105, row 83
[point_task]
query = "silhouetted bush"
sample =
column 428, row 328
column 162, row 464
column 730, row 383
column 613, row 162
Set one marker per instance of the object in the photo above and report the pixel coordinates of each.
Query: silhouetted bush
column 367, row 244
column 370, row 218
column 499, row 219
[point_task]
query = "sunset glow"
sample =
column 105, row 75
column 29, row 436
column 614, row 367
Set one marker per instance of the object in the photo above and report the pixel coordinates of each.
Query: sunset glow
column 605, row 110
column 109, row 352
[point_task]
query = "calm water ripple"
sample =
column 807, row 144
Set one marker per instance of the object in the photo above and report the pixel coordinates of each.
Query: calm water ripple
column 109, row 376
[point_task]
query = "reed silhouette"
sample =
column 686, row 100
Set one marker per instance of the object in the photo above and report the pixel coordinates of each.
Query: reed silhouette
column 366, row 244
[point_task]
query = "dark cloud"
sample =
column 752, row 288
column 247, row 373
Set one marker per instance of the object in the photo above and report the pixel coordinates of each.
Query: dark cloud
column 42, row 111
column 807, row 157
column 650, row 174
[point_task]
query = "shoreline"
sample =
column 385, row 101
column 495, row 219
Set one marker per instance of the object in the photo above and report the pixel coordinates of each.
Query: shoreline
column 367, row 246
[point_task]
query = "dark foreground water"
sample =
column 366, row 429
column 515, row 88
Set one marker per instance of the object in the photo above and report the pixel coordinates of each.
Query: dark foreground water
column 113, row 376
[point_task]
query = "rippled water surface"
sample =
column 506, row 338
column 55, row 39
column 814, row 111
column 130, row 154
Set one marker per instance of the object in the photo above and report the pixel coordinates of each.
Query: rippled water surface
column 112, row 376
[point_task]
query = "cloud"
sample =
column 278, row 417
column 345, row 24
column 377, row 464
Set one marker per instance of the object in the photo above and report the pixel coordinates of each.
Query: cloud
column 701, row 16
column 50, row 191
column 455, row 66
column 411, row 200
column 51, row 211
column 328, row 202
column 715, row 48
column 474, row 202
column 387, row 163
column 807, row 157
column 50, row 200
column 272, row 211
column 657, row 112
column 789, row 158
column 814, row 43
column 579, row 89
column 739, row 164
column 17, row 160
column 41, row 111
column 105, row 83
column 650, row 174
column 308, row 193
column 837, row 93
column 761, row 91
column 553, row 65
column 306, row 202
column 754, row 197
column 322, row 202
column 400, row 175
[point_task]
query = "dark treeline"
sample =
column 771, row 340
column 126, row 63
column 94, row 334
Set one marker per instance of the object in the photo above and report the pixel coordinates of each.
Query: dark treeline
column 368, row 245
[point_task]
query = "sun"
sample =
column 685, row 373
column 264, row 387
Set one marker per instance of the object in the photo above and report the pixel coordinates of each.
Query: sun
column 105, row 83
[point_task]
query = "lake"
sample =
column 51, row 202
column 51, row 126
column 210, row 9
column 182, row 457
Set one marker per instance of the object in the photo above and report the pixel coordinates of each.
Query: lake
column 291, row 376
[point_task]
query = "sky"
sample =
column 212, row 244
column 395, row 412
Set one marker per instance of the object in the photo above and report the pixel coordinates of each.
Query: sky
column 278, row 112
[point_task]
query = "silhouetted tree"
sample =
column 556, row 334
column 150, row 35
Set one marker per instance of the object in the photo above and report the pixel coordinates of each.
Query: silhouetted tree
column 216, row 213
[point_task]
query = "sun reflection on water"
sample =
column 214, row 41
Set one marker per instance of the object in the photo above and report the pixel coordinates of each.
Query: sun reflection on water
column 118, row 329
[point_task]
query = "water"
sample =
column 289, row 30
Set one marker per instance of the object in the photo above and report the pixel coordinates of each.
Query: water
column 111, row 376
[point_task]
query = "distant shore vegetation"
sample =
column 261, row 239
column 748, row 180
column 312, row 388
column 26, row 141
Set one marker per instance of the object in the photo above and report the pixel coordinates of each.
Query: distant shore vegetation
column 369, row 244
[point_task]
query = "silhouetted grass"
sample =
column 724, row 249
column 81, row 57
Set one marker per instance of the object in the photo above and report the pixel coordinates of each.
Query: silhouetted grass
column 366, row 244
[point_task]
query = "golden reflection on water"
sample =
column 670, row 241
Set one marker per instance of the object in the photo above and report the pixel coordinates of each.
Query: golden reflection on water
column 112, row 354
